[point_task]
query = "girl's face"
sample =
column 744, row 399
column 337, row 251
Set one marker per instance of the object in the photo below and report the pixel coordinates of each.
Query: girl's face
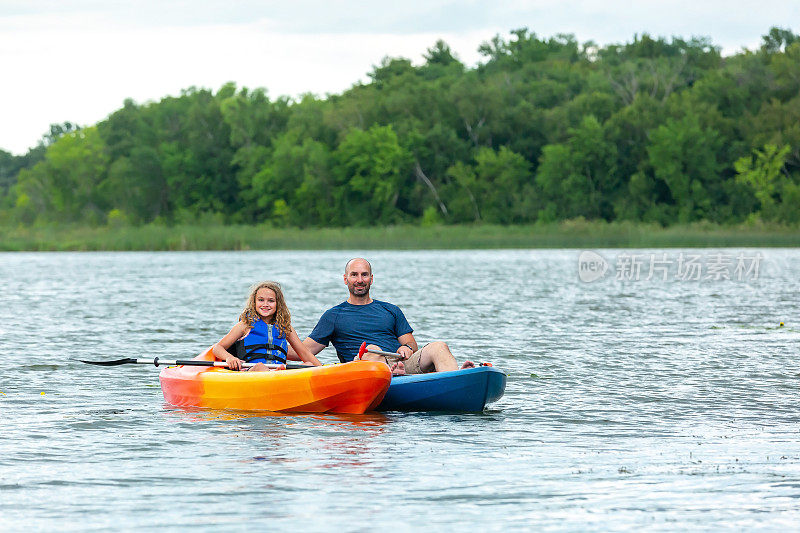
column 266, row 303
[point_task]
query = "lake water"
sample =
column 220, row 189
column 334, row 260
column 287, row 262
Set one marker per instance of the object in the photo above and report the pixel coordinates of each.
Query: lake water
column 662, row 404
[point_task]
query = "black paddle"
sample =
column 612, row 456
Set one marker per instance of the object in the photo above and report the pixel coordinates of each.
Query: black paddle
column 189, row 362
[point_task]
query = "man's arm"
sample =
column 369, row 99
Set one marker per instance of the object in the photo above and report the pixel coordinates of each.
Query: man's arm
column 313, row 346
column 408, row 339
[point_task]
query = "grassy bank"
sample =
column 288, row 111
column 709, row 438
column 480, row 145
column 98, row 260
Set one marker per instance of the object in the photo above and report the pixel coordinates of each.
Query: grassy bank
column 570, row 234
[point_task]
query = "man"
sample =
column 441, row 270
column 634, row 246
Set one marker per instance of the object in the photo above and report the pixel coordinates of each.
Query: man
column 382, row 325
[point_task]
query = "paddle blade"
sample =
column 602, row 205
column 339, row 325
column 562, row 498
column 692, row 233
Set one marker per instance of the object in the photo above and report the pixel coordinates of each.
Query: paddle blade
column 362, row 350
column 116, row 362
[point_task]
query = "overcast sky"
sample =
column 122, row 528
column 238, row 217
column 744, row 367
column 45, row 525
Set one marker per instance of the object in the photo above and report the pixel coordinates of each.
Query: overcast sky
column 77, row 60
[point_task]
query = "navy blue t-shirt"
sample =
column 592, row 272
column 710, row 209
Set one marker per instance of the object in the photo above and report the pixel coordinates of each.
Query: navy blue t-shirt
column 348, row 325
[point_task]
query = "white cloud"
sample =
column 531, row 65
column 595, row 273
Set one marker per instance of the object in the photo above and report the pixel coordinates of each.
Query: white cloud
column 77, row 60
column 82, row 71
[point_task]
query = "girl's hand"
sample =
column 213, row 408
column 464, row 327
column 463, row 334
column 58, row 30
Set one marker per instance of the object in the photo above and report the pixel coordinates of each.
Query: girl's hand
column 234, row 363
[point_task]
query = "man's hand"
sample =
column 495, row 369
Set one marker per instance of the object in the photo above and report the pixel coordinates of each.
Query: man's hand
column 405, row 351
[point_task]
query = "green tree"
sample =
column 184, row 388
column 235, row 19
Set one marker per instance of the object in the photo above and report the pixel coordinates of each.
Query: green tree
column 64, row 187
column 440, row 62
column 578, row 178
column 10, row 165
column 501, row 177
column 778, row 39
column 135, row 185
column 651, row 129
column 683, row 156
column 777, row 123
column 374, row 170
column 762, row 171
column 460, row 193
column 292, row 163
column 314, row 200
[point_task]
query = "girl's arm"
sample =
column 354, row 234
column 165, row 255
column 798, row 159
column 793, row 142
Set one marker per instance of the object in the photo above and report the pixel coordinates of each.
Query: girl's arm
column 301, row 350
column 291, row 355
column 220, row 349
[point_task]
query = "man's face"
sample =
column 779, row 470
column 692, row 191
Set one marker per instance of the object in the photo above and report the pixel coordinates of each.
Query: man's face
column 358, row 278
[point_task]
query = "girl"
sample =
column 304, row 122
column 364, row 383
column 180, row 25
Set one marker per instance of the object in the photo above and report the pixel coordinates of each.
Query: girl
column 265, row 328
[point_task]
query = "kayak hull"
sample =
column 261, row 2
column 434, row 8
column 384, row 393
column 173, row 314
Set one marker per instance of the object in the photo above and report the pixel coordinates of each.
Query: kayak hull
column 348, row 388
column 467, row 390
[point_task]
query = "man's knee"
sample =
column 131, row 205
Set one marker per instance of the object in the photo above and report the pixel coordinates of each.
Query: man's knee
column 437, row 357
column 439, row 347
column 371, row 356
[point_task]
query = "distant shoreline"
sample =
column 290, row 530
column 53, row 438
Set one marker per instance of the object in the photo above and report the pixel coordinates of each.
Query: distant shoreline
column 569, row 234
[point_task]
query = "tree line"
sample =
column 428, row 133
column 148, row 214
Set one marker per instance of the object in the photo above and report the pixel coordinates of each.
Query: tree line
column 542, row 129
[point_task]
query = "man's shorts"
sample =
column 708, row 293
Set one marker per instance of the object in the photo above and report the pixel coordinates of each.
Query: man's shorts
column 412, row 363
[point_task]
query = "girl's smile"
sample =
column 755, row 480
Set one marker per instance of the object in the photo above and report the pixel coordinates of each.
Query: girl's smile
column 266, row 302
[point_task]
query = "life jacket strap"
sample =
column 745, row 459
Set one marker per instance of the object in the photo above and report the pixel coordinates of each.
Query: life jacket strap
column 250, row 352
column 252, row 347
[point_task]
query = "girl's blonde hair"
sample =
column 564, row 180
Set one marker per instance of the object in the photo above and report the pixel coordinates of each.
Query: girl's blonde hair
column 281, row 318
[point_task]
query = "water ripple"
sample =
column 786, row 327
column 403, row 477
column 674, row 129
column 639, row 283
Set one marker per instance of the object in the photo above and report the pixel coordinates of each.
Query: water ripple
column 661, row 405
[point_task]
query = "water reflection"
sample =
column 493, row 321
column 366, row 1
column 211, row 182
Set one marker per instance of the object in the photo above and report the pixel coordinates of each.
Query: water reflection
column 202, row 414
column 341, row 438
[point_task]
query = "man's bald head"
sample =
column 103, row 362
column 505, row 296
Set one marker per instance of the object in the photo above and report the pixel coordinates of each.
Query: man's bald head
column 356, row 264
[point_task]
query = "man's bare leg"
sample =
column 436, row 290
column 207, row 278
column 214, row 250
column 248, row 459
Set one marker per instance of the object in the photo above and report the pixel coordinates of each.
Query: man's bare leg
column 397, row 368
column 436, row 357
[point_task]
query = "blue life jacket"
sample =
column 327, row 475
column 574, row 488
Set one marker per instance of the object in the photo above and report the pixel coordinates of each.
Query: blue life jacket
column 265, row 344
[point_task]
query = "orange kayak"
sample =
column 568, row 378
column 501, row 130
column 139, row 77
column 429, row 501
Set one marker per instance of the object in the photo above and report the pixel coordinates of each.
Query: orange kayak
column 347, row 388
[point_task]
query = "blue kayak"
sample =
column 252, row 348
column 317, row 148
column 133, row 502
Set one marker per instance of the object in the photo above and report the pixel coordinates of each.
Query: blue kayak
column 460, row 390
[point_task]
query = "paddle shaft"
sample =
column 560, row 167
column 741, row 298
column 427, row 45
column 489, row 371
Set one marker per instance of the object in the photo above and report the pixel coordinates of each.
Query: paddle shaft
column 385, row 354
column 188, row 362
column 364, row 350
column 192, row 362
column 398, row 356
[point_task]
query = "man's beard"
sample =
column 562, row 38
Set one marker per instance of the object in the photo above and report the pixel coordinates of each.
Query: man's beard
column 359, row 290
